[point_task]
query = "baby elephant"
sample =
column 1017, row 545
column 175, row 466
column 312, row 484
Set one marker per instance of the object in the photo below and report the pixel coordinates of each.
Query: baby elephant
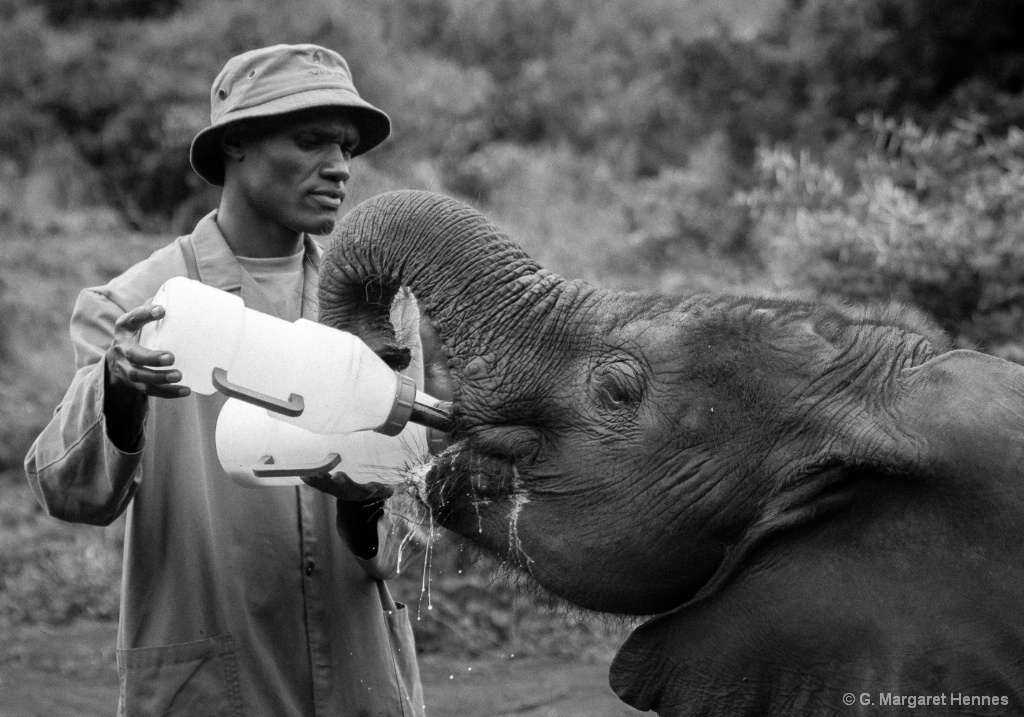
column 821, row 508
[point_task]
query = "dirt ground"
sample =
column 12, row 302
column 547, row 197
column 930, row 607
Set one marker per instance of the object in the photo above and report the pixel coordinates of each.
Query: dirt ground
column 69, row 672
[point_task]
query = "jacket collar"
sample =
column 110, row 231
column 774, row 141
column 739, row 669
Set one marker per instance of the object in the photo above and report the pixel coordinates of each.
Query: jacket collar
column 218, row 268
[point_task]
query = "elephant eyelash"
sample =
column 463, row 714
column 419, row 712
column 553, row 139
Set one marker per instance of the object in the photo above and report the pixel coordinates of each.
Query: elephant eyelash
column 617, row 386
column 613, row 396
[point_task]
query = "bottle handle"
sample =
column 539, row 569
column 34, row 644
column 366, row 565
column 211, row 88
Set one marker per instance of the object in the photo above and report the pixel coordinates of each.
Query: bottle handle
column 263, row 470
column 294, row 406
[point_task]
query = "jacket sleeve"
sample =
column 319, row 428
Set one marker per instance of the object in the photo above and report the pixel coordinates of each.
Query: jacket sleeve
column 75, row 470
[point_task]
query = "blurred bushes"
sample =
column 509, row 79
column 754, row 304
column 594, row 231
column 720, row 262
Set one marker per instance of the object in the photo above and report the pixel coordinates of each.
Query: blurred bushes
column 40, row 277
column 25, row 123
column 131, row 93
column 638, row 86
column 932, row 218
column 929, row 59
column 67, row 12
column 635, row 83
column 52, row 572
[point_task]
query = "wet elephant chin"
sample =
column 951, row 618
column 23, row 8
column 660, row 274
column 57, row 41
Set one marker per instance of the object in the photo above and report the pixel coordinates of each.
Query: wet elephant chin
column 482, row 498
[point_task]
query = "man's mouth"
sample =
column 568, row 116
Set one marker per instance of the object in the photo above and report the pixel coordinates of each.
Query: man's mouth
column 329, row 198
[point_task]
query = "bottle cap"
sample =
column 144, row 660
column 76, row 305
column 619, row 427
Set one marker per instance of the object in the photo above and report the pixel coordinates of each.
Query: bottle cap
column 401, row 409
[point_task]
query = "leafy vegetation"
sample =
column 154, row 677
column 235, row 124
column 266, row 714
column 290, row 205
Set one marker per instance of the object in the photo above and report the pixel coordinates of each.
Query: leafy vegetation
column 637, row 85
column 926, row 59
column 53, row 572
column 932, row 218
column 40, row 277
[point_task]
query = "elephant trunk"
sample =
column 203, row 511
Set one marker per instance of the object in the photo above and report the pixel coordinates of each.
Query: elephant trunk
column 468, row 277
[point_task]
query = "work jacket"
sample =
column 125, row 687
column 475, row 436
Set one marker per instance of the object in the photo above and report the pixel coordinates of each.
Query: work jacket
column 235, row 600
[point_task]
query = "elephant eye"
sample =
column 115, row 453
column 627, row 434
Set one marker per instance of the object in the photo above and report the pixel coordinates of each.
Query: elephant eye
column 617, row 385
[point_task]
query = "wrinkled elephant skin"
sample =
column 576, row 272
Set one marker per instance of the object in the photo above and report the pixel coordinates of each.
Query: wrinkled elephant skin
column 814, row 503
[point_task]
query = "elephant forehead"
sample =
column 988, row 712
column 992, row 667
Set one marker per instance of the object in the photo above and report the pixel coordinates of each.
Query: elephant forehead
column 704, row 333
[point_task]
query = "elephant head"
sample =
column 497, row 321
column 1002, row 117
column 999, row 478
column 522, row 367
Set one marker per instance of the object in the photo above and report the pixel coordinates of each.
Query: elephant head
column 809, row 499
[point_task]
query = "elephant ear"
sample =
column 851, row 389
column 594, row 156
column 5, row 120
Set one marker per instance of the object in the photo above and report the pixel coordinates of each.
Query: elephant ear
column 904, row 591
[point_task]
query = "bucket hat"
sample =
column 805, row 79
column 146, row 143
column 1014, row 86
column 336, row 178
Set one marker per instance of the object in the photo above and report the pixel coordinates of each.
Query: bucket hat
column 276, row 80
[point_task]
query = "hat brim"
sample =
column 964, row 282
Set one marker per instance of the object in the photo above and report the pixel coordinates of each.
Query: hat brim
column 374, row 126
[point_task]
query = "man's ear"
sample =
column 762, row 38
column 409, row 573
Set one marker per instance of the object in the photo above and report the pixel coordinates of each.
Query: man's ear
column 232, row 142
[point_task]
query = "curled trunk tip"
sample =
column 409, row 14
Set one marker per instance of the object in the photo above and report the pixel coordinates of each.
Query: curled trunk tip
column 445, row 251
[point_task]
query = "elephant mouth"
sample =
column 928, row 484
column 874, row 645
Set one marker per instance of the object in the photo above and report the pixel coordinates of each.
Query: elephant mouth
column 481, row 467
column 480, row 496
column 463, row 480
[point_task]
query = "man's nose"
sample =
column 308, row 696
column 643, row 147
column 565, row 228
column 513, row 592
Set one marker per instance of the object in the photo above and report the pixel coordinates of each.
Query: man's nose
column 335, row 165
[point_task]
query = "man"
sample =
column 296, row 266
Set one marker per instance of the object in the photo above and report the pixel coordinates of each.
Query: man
column 234, row 601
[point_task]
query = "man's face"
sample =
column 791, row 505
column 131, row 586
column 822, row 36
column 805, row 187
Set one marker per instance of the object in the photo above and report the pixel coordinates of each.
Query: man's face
column 293, row 173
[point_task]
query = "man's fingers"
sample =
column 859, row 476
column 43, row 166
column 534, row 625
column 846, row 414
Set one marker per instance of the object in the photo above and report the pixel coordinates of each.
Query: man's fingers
column 139, row 317
column 162, row 384
column 341, row 486
column 169, row 391
column 139, row 356
column 165, row 389
column 131, row 365
column 151, row 377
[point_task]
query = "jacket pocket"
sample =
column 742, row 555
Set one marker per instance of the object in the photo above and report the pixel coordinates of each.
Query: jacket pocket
column 193, row 679
column 403, row 649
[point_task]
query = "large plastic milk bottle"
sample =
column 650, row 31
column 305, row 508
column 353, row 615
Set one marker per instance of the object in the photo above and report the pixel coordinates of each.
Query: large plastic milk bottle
column 257, row 449
column 321, row 379
column 202, row 327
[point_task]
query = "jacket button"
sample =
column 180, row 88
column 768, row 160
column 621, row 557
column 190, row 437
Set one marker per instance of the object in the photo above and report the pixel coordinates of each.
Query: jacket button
column 310, row 568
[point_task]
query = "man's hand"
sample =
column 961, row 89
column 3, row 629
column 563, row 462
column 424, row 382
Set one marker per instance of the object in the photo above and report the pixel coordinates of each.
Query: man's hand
column 360, row 507
column 128, row 363
column 129, row 378
column 345, row 489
